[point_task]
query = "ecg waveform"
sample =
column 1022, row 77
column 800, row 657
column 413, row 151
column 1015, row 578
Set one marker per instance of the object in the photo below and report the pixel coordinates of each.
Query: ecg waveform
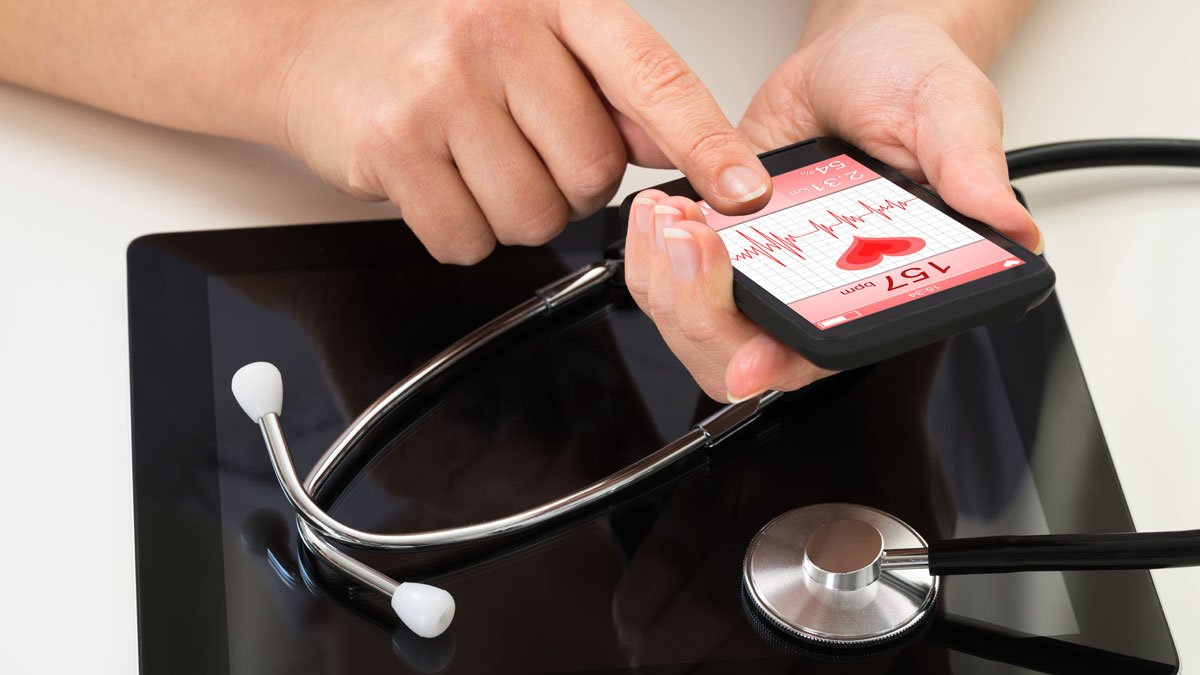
column 770, row 243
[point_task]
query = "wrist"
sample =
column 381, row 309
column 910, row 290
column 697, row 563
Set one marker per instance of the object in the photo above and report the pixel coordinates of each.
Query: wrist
column 980, row 28
column 264, row 78
column 233, row 84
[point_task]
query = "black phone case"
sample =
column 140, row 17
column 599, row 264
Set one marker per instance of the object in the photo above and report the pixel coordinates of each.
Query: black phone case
column 1003, row 297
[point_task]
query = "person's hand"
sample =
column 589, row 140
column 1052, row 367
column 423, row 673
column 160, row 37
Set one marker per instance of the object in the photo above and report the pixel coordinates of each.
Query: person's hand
column 499, row 120
column 678, row 271
column 894, row 84
column 898, row 86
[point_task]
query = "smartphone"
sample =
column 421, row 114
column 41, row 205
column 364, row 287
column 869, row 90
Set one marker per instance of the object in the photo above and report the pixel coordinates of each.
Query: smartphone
column 851, row 263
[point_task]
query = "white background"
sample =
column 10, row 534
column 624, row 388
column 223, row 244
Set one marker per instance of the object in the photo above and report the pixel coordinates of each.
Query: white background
column 77, row 185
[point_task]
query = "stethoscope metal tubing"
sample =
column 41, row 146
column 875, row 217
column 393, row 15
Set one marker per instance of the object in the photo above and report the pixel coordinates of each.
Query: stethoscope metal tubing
column 316, row 527
column 319, row 530
column 707, row 433
column 347, row 564
column 545, row 300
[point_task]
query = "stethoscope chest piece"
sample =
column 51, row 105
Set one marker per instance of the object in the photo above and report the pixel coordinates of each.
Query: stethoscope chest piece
column 816, row 573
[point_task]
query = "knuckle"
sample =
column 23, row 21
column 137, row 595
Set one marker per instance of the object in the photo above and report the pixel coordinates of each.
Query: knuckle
column 700, row 331
column 433, row 72
column 385, row 129
column 535, row 227
column 393, row 125
column 591, row 184
column 454, row 240
column 463, row 252
column 659, row 75
column 712, row 143
column 661, row 309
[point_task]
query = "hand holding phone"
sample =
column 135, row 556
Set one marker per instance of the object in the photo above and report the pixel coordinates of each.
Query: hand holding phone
column 848, row 264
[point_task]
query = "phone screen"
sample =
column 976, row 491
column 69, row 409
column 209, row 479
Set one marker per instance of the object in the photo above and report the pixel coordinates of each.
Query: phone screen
column 838, row 242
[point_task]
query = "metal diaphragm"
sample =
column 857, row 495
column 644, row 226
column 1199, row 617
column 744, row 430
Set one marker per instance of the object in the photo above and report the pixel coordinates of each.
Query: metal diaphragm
column 814, row 574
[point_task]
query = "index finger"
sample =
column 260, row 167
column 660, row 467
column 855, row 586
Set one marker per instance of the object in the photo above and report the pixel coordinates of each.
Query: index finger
column 646, row 80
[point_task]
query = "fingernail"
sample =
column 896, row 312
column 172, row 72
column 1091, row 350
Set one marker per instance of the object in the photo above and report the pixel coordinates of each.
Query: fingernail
column 747, row 397
column 664, row 216
column 741, row 184
column 642, row 213
column 683, row 252
column 1041, row 245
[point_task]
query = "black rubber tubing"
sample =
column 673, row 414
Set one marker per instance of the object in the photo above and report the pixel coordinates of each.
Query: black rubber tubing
column 1132, row 550
column 1122, row 551
column 1052, row 157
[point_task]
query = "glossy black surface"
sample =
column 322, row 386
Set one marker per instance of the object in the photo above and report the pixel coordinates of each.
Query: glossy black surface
column 990, row 433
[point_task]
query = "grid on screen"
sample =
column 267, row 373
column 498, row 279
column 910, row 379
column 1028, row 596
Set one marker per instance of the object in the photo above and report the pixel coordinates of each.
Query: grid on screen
column 793, row 253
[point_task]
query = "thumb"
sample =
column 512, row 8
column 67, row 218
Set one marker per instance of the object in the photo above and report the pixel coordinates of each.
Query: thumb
column 646, row 80
column 975, row 183
column 960, row 151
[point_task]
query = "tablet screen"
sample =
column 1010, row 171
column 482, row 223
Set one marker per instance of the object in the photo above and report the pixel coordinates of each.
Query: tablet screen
column 956, row 439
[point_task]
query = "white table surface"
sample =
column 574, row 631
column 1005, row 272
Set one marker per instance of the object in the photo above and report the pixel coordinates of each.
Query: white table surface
column 77, row 185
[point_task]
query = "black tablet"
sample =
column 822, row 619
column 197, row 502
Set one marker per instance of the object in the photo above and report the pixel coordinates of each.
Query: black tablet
column 992, row 432
column 850, row 262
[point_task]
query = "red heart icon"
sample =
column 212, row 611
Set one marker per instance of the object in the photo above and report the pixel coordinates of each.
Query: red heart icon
column 866, row 252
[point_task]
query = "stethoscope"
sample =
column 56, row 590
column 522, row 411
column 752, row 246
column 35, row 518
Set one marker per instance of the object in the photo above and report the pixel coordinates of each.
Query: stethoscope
column 845, row 575
column 829, row 575
column 425, row 609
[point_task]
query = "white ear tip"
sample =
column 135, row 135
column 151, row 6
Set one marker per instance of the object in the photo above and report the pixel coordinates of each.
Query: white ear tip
column 426, row 610
column 258, row 388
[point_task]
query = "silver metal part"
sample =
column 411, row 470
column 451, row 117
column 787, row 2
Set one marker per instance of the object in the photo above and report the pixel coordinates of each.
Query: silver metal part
column 734, row 416
column 906, row 559
column 343, row 448
column 809, row 574
column 329, row 527
column 349, row 565
column 573, row 285
column 320, row 531
column 844, row 555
